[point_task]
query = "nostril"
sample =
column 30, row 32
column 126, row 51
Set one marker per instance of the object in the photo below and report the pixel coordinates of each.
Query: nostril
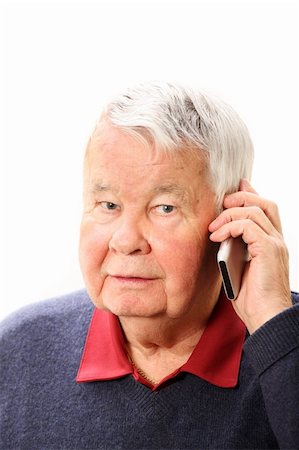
column 129, row 241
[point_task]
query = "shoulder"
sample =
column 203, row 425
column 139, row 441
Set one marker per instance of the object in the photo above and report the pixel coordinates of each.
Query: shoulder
column 40, row 351
column 276, row 339
column 295, row 298
column 64, row 315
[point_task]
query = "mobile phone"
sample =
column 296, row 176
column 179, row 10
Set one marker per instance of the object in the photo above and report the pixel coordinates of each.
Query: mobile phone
column 232, row 257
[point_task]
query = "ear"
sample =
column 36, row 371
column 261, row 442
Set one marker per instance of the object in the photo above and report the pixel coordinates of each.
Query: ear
column 246, row 186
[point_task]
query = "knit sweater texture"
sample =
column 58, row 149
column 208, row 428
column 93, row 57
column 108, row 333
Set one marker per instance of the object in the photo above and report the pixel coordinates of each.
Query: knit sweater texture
column 43, row 408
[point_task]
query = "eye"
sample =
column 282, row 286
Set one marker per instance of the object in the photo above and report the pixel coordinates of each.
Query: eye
column 108, row 206
column 165, row 209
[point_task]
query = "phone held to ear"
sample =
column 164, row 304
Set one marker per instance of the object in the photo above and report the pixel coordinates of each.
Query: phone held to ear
column 232, row 257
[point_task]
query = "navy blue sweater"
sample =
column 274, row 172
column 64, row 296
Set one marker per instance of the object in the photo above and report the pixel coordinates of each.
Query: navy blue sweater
column 42, row 406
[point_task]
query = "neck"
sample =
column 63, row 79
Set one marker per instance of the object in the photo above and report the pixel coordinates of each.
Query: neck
column 158, row 345
column 151, row 333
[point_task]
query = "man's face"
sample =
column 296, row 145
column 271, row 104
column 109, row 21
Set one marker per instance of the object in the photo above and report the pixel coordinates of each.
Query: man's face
column 144, row 246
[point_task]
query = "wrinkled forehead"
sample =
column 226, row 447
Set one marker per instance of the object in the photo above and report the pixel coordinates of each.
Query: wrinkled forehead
column 118, row 163
column 112, row 146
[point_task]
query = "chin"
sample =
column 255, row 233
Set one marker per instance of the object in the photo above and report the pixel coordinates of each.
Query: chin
column 131, row 306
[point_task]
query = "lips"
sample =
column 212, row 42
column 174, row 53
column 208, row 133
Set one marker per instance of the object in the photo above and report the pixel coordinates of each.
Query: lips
column 132, row 277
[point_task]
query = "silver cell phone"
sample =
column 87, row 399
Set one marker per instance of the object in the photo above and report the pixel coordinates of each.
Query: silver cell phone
column 232, row 257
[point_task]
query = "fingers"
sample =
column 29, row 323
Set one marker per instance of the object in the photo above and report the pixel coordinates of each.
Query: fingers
column 250, row 213
column 247, row 215
column 248, row 197
column 265, row 287
column 256, row 239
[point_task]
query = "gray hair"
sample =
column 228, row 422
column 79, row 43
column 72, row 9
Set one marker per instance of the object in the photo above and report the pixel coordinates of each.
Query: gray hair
column 172, row 117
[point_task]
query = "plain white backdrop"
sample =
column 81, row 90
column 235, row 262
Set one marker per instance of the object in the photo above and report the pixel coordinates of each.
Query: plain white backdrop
column 62, row 60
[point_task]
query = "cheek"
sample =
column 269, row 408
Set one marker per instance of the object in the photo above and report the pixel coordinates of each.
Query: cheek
column 92, row 250
column 188, row 257
column 185, row 262
column 180, row 256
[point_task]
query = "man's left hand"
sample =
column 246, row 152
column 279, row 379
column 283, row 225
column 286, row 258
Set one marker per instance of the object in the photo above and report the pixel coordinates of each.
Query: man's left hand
column 265, row 289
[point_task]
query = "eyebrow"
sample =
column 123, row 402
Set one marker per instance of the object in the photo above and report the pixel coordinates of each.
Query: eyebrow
column 170, row 189
column 100, row 187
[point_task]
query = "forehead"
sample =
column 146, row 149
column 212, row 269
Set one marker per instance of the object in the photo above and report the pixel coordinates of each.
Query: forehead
column 113, row 153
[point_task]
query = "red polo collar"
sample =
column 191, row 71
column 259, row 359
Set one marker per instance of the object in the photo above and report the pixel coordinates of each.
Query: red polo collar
column 216, row 358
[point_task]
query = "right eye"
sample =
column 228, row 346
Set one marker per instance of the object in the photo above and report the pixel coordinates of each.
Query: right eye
column 110, row 206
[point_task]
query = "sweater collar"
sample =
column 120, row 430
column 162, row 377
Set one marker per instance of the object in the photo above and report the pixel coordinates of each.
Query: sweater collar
column 216, row 358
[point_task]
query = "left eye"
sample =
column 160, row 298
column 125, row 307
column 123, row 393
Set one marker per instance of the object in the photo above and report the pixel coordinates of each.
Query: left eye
column 165, row 209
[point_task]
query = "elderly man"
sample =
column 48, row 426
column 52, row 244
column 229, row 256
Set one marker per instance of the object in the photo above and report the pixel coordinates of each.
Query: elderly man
column 162, row 360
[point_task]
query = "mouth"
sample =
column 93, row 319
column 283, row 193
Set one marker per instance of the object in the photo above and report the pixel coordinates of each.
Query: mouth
column 131, row 279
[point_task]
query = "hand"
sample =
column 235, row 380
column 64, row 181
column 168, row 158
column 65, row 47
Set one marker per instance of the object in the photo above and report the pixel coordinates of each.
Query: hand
column 265, row 289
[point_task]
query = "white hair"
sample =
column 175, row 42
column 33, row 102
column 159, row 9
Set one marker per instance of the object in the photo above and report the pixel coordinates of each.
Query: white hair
column 171, row 117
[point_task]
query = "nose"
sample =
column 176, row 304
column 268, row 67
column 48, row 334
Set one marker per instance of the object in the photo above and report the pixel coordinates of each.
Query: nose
column 129, row 238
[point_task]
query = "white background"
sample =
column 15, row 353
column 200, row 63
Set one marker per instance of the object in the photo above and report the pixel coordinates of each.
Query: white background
column 62, row 60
